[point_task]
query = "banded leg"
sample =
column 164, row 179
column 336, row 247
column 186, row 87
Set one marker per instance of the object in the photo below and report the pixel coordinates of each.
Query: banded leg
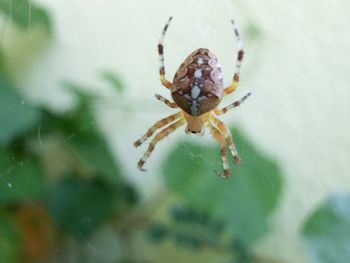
column 218, row 136
column 240, row 55
column 161, row 135
column 228, row 137
column 232, row 105
column 165, row 82
column 166, row 101
column 156, row 126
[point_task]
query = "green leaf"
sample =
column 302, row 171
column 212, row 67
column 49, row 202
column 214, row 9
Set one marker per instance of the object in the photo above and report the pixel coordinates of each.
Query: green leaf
column 83, row 135
column 114, row 80
column 94, row 152
column 87, row 142
column 84, row 96
column 16, row 115
column 25, row 14
column 326, row 233
column 242, row 202
column 20, row 179
column 87, row 145
column 156, row 232
column 9, row 240
column 79, row 206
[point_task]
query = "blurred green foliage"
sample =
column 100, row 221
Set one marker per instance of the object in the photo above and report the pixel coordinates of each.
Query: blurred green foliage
column 80, row 131
column 26, row 14
column 34, row 192
column 9, row 239
column 243, row 202
column 196, row 230
column 16, row 115
column 326, row 233
column 22, row 180
column 89, row 191
column 76, row 203
column 114, row 81
column 79, row 206
column 79, row 201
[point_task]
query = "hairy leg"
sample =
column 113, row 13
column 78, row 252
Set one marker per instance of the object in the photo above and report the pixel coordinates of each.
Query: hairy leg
column 166, row 101
column 232, row 105
column 240, row 55
column 228, row 137
column 156, row 126
column 164, row 81
column 218, row 136
column 161, row 135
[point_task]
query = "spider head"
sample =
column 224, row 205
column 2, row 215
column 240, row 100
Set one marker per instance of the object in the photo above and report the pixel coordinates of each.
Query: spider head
column 195, row 125
column 194, row 129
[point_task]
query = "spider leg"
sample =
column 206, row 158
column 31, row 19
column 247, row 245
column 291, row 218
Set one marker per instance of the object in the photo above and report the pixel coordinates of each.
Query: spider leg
column 240, row 55
column 164, row 81
column 232, row 105
column 161, row 135
column 166, row 101
column 228, row 137
column 156, row 126
column 218, row 136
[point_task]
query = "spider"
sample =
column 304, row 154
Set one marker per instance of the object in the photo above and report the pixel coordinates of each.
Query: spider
column 197, row 89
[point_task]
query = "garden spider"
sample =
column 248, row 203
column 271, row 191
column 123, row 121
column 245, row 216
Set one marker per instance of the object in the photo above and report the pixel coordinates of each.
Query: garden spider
column 197, row 89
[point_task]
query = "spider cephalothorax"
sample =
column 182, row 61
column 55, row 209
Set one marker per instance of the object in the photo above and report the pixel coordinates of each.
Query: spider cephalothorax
column 197, row 89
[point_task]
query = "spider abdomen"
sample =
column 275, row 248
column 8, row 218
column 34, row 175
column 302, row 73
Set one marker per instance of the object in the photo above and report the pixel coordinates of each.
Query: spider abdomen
column 198, row 83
